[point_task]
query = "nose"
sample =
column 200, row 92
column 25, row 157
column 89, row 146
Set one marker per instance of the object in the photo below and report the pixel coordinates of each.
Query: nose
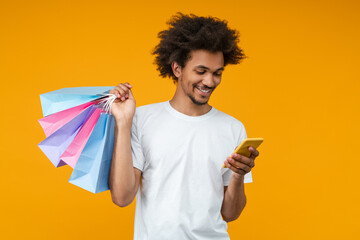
column 209, row 80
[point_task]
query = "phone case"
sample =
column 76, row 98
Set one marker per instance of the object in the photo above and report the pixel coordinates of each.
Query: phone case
column 242, row 149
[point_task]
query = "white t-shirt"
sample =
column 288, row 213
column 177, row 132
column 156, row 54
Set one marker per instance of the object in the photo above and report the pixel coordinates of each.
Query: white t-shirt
column 181, row 159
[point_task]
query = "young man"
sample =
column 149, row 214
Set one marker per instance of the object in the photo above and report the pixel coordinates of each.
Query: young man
column 170, row 154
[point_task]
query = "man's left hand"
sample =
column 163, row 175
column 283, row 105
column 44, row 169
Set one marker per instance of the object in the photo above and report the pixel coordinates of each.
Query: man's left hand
column 240, row 164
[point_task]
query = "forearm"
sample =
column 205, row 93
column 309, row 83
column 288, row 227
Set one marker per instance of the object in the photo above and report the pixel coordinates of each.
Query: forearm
column 234, row 199
column 122, row 176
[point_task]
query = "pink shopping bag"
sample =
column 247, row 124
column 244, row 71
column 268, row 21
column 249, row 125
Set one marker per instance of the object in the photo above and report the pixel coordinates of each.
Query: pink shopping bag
column 72, row 153
column 53, row 122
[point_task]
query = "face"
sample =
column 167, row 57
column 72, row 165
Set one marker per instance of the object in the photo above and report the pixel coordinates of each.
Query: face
column 200, row 76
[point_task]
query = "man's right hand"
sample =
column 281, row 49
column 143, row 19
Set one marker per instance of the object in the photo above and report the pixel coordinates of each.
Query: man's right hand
column 123, row 108
column 124, row 179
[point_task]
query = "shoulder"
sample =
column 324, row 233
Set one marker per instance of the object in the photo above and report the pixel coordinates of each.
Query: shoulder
column 229, row 120
column 147, row 112
column 232, row 127
column 149, row 108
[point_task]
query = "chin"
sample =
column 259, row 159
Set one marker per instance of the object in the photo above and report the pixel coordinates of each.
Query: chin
column 198, row 102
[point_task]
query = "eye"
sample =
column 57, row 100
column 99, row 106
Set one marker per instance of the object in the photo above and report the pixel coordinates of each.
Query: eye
column 201, row 73
column 217, row 73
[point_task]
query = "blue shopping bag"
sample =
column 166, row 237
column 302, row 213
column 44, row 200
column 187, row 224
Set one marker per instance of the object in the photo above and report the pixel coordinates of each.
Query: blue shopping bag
column 91, row 172
column 65, row 98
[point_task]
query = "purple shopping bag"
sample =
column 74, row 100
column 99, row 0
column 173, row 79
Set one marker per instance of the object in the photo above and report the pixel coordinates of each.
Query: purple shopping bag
column 55, row 145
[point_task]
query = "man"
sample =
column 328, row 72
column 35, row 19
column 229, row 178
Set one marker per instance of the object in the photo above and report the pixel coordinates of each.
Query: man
column 170, row 154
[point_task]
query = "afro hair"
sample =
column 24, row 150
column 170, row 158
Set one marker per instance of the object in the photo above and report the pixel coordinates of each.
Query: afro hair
column 190, row 32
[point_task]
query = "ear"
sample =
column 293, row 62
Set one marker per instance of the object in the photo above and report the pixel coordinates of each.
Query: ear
column 176, row 68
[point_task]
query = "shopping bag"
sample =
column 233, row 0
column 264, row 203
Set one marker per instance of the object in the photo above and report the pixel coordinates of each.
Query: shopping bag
column 55, row 145
column 65, row 98
column 53, row 122
column 91, row 171
column 80, row 133
column 72, row 153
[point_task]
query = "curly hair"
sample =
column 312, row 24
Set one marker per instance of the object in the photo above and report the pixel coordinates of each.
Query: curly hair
column 190, row 32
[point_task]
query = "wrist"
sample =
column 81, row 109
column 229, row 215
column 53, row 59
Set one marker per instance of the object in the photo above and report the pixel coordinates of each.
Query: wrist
column 123, row 124
column 238, row 177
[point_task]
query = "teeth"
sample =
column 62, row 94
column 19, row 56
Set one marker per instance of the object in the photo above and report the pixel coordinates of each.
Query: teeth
column 203, row 90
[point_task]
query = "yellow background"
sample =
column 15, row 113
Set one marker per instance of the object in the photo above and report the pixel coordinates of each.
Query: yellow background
column 298, row 89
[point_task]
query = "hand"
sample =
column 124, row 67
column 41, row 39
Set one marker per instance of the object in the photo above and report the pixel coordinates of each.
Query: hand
column 123, row 108
column 240, row 164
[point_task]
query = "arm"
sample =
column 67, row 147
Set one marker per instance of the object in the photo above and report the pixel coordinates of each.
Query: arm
column 124, row 179
column 234, row 199
column 234, row 196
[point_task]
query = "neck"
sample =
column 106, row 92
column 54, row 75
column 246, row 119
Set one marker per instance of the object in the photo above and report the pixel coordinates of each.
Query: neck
column 186, row 106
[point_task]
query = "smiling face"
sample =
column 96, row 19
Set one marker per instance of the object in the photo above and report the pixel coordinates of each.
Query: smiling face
column 200, row 76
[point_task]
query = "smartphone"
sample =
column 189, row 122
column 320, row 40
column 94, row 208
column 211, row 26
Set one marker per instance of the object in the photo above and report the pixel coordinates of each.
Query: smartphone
column 242, row 149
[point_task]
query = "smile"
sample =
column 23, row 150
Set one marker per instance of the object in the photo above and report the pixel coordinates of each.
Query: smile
column 203, row 92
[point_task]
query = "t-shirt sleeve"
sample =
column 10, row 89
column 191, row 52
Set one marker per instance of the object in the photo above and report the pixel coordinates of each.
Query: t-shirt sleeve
column 227, row 172
column 136, row 148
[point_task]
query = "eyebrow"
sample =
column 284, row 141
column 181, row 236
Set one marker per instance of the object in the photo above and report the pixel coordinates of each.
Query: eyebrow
column 202, row 66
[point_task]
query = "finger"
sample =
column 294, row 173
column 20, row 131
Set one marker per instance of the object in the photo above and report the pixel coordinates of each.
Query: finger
column 254, row 152
column 115, row 92
column 118, row 91
column 239, row 165
column 117, row 100
column 128, row 85
column 242, row 159
column 234, row 169
column 122, row 91
column 123, row 87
